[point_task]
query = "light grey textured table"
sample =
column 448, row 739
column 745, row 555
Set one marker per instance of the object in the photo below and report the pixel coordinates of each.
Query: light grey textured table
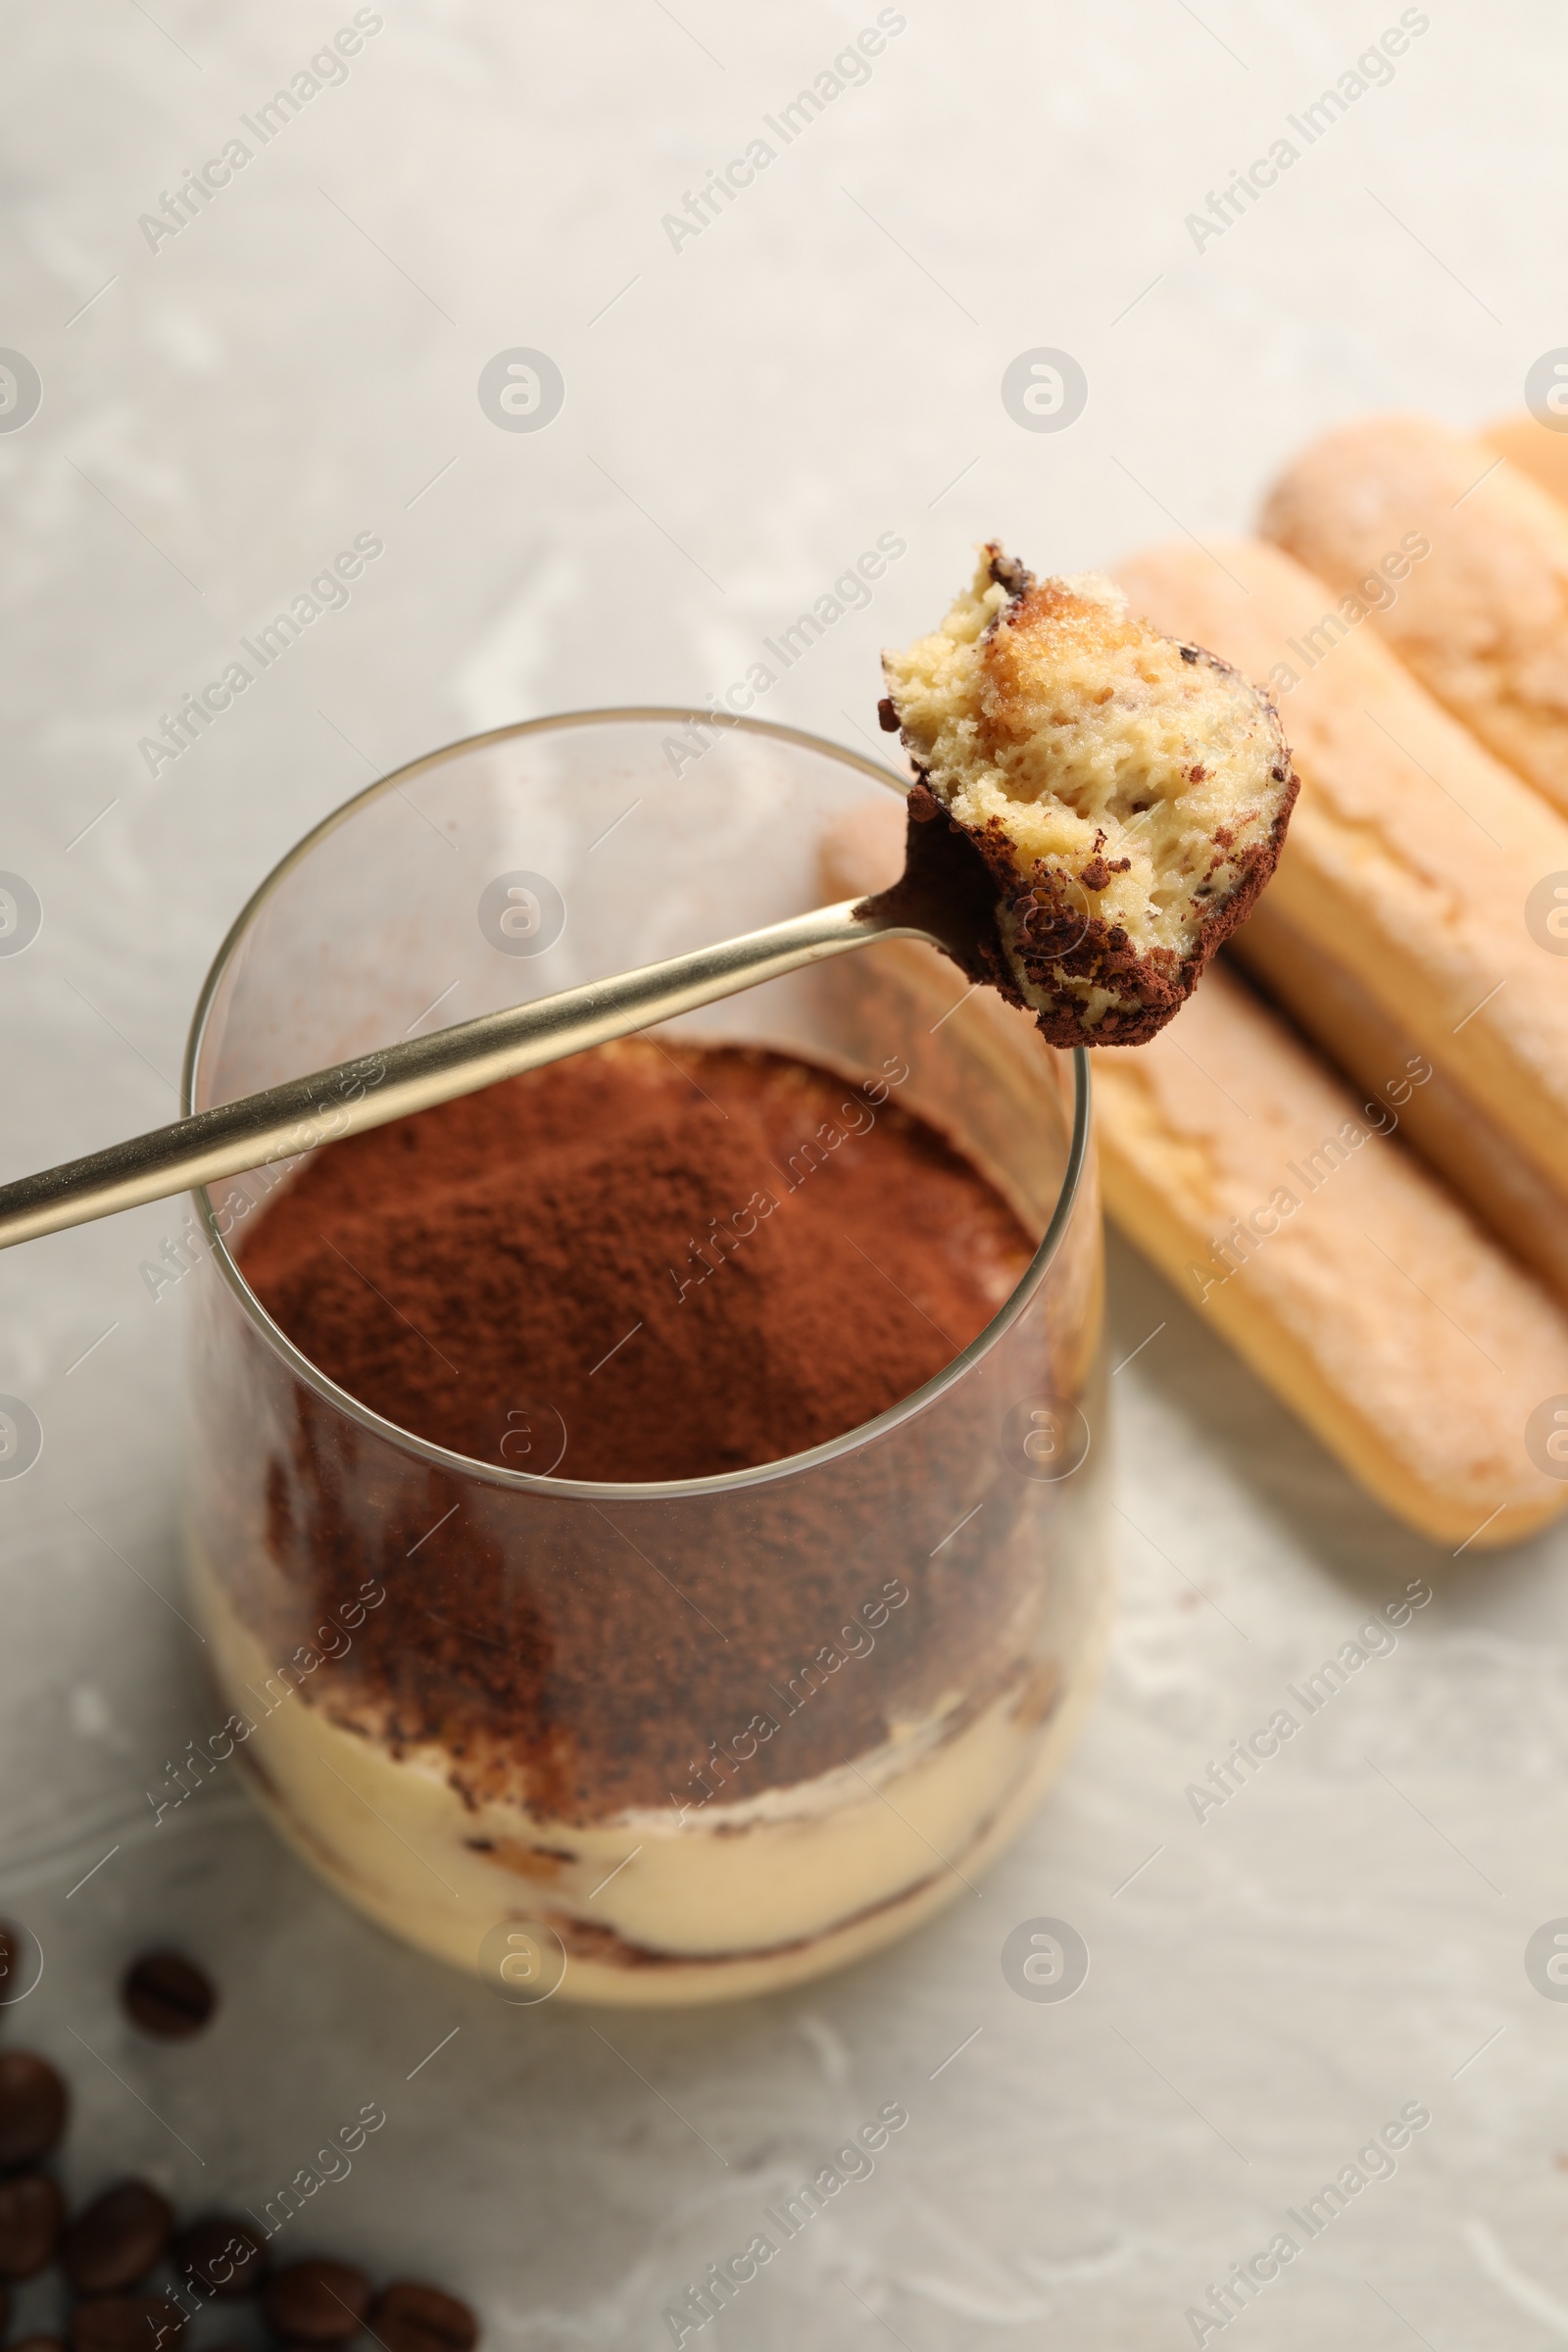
column 746, row 410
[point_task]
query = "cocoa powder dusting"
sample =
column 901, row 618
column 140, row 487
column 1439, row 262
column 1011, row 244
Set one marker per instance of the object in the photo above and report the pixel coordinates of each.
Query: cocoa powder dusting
column 696, row 1267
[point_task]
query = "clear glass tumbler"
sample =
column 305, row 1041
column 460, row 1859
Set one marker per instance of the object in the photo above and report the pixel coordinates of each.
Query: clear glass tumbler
column 949, row 1553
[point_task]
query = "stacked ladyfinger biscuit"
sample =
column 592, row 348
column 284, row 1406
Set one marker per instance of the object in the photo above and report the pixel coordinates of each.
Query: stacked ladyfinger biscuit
column 1380, row 1226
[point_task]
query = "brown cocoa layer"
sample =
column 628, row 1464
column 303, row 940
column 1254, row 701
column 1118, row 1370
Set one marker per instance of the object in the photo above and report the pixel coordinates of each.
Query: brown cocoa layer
column 547, row 1251
column 681, row 1262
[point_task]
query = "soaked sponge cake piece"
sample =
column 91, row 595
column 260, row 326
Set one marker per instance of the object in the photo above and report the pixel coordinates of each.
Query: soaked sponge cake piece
column 1128, row 794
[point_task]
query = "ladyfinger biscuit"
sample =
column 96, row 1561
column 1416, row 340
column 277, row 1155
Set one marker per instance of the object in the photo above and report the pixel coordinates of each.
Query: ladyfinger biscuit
column 1413, row 853
column 1539, row 453
column 1448, row 1128
column 1482, row 618
column 1364, row 1296
column 1197, row 1160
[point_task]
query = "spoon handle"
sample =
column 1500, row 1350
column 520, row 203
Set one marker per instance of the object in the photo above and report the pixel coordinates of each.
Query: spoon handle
column 329, row 1105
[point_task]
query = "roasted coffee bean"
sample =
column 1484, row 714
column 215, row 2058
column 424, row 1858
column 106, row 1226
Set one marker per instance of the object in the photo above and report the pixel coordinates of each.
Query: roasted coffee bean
column 168, row 1996
column 125, row 2324
column 316, row 2302
column 411, row 2316
column 31, row 2210
column 221, row 2256
column 115, row 2240
column 33, row 2107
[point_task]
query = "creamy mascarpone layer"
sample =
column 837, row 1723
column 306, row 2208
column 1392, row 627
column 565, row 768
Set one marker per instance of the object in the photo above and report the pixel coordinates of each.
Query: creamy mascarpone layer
column 655, row 1907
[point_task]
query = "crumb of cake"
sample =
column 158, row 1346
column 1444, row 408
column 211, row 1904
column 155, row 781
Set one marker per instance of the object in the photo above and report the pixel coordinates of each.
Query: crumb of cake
column 1128, row 794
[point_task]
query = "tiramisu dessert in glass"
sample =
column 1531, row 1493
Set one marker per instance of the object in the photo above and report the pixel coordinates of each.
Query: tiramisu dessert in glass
column 647, row 1516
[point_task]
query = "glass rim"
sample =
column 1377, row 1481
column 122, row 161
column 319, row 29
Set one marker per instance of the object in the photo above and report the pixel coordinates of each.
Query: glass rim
column 501, row 1474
